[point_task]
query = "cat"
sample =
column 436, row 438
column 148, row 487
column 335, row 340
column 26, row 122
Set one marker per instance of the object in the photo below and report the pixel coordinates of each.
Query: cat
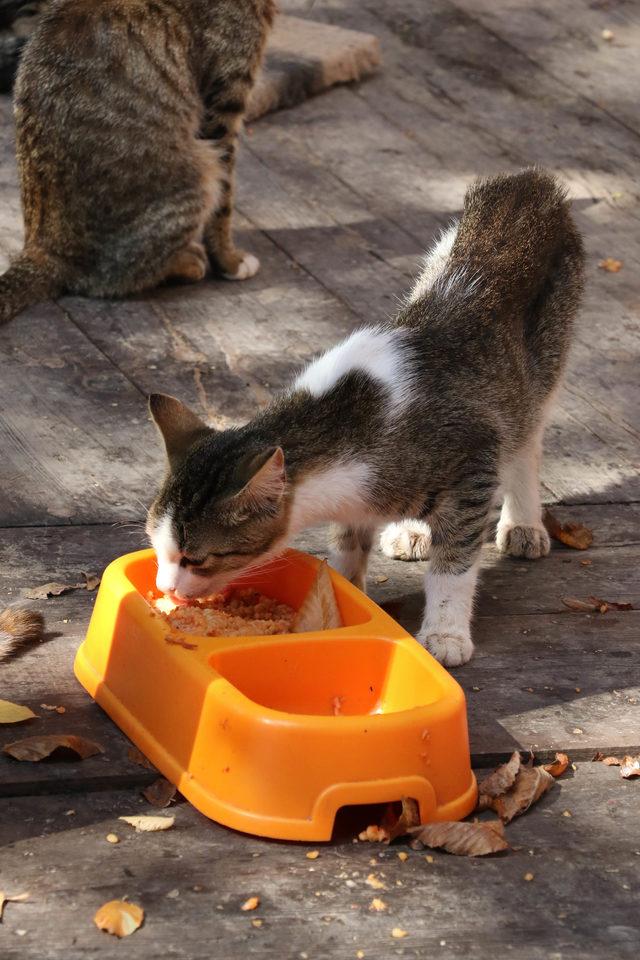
column 127, row 113
column 420, row 419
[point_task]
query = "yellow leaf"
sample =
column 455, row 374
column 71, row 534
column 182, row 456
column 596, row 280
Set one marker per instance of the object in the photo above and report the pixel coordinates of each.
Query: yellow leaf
column 11, row 898
column 14, row 712
column 149, row 824
column 119, row 918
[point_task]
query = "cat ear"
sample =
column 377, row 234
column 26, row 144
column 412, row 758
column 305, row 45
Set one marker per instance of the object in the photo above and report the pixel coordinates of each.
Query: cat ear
column 263, row 477
column 179, row 426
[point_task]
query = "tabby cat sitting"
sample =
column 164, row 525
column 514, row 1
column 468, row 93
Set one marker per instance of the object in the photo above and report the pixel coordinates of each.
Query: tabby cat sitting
column 126, row 119
column 423, row 420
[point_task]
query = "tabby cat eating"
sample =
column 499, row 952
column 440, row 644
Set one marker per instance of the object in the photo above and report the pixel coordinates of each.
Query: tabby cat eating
column 127, row 113
column 423, row 421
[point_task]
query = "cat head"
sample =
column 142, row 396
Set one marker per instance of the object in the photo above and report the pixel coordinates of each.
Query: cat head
column 222, row 507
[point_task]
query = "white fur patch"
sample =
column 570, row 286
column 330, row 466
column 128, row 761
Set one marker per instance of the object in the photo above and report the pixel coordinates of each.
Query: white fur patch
column 167, row 553
column 379, row 353
column 434, row 262
column 446, row 628
column 338, row 492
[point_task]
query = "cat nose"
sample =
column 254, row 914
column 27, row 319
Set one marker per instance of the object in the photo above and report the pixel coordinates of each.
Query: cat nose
column 166, row 580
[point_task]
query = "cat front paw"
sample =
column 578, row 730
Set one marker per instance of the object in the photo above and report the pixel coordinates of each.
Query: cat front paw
column 247, row 267
column 450, row 650
column 531, row 543
column 408, row 540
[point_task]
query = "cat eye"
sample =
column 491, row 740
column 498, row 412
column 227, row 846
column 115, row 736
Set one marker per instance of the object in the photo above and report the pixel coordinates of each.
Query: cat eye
column 187, row 562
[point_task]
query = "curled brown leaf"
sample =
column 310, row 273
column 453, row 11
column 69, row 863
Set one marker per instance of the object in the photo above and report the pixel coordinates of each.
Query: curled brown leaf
column 56, row 746
column 498, row 782
column 574, row 535
column 160, row 793
column 410, row 817
column 559, row 765
column 462, row 839
column 530, row 784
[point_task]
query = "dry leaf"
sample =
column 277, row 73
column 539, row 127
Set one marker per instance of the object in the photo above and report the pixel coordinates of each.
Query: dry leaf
column 119, row 917
column 610, row 264
column 410, row 817
column 595, row 604
column 630, row 767
column 251, row 903
column 136, row 756
column 610, row 761
column 55, row 589
column 146, row 824
column 498, row 782
column 11, row 898
column 530, row 784
column 463, row 839
column 40, row 748
column 559, row 765
column 319, row 610
column 574, row 535
column 160, row 793
column 14, row 712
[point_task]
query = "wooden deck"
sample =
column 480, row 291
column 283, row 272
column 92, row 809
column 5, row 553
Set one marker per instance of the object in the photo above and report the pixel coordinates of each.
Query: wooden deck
column 339, row 196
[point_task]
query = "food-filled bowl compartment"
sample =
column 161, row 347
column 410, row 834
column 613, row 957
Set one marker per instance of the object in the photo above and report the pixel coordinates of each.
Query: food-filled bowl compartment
column 287, row 579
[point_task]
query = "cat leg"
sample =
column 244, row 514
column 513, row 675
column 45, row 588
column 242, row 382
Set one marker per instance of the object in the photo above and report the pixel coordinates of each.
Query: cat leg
column 521, row 532
column 406, row 540
column 229, row 260
column 458, row 529
column 189, row 264
column 350, row 549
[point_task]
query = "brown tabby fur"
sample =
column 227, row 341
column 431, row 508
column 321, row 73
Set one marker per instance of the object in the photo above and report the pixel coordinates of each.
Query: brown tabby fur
column 127, row 113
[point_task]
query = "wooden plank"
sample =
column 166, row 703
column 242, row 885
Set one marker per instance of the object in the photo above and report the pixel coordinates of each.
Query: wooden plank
column 304, row 58
column 222, row 347
column 525, row 639
column 192, row 880
column 567, row 41
column 469, row 103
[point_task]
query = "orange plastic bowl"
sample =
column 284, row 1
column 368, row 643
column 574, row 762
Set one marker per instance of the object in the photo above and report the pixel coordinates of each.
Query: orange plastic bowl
column 245, row 727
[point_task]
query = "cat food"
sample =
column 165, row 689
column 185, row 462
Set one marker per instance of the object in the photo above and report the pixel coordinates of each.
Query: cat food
column 236, row 614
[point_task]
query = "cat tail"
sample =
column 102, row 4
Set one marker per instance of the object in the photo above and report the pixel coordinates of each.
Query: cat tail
column 18, row 626
column 28, row 280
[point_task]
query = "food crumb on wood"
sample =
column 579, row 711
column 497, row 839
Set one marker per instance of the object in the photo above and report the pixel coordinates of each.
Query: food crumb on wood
column 251, row 904
column 528, row 876
column 312, row 854
column 403, row 856
column 398, row 933
column 256, row 923
column 112, row 838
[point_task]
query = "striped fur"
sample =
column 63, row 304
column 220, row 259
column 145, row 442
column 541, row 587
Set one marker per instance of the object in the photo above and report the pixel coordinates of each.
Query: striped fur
column 127, row 113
